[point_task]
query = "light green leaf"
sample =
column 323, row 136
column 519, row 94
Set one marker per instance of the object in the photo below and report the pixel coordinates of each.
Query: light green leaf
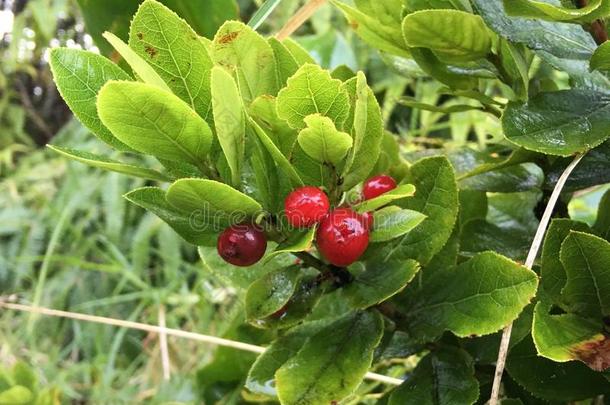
column 322, row 141
column 298, row 241
column 210, row 196
column 392, row 222
column 458, row 79
column 174, row 50
column 586, row 259
column 367, row 132
column 384, row 36
column 194, row 227
column 478, row 297
column 271, row 292
column 79, row 76
column 311, row 90
column 332, row 363
column 436, row 197
column 140, row 67
column 596, row 9
column 454, row 34
column 299, row 53
column 379, row 281
column 286, row 65
column 277, row 155
column 264, row 111
column 559, row 123
column 601, row 57
column 229, row 120
column 105, row 163
column 155, row 122
column 16, row 395
column 443, row 377
column 400, row 192
column 246, row 54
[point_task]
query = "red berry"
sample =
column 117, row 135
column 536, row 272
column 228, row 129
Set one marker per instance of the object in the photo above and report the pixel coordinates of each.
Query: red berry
column 367, row 220
column 342, row 237
column 306, row 206
column 375, row 186
column 242, row 244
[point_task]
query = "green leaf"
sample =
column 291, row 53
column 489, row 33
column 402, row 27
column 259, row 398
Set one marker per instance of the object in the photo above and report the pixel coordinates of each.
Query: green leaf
column 298, row 241
column 400, row 192
column 392, row 222
column 174, row 50
column 553, row 275
column 454, row 108
column 286, row 64
column 586, row 259
column 229, row 120
column 79, row 76
column 601, row 57
column 139, row 66
column 332, row 363
column 381, row 35
column 596, row 9
column 379, row 281
column 569, row 337
column 211, row 196
column 264, row 111
column 311, row 90
column 261, row 378
column 205, row 16
column 443, row 377
column 367, row 132
column 271, row 292
column 298, row 52
column 194, row 227
column 592, row 170
column 553, row 381
column 515, row 178
column 454, row 34
column 277, row 155
column 559, row 123
column 246, row 54
column 262, row 13
column 558, row 39
column 153, row 121
column 322, row 141
column 454, row 78
column 16, row 395
column 478, row 297
column 105, row 163
column 602, row 223
column 436, row 197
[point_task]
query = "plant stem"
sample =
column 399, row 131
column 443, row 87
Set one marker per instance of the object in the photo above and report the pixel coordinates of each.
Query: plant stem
column 529, row 262
column 340, row 275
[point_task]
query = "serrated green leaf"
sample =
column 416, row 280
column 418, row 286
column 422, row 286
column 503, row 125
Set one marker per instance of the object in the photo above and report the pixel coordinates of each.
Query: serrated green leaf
column 298, row 241
column 454, row 34
column 105, row 163
column 246, row 54
column 559, row 123
column 79, row 76
column 196, row 229
column 379, row 281
column 332, row 363
column 392, row 222
column 229, row 120
column 400, row 192
column 478, row 297
column 139, row 66
column 586, row 260
column 381, row 35
column 592, row 11
column 271, row 292
column 153, row 121
column 211, row 196
column 175, row 52
column 277, row 155
column 553, row 275
column 436, row 197
column 367, row 131
column 443, row 377
column 322, row 141
column 311, row 90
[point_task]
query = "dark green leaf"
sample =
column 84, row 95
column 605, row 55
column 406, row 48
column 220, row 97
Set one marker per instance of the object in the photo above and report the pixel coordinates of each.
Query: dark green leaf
column 271, row 292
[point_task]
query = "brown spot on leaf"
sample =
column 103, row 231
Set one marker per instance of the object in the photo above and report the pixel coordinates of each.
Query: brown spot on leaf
column 115, row 56
column 225, row 39
column 595, row 352
column 152, row 52
column 140, row 35
column 353, row 24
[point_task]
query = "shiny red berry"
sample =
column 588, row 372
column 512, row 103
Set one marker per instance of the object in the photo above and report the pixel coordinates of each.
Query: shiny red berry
column 306, row 206
column 242, row 244
column 367, row 220
column 342, row 237
column 375, row 186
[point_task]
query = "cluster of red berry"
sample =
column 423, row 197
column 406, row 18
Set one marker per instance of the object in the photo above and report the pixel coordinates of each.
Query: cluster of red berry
column 342, row 235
